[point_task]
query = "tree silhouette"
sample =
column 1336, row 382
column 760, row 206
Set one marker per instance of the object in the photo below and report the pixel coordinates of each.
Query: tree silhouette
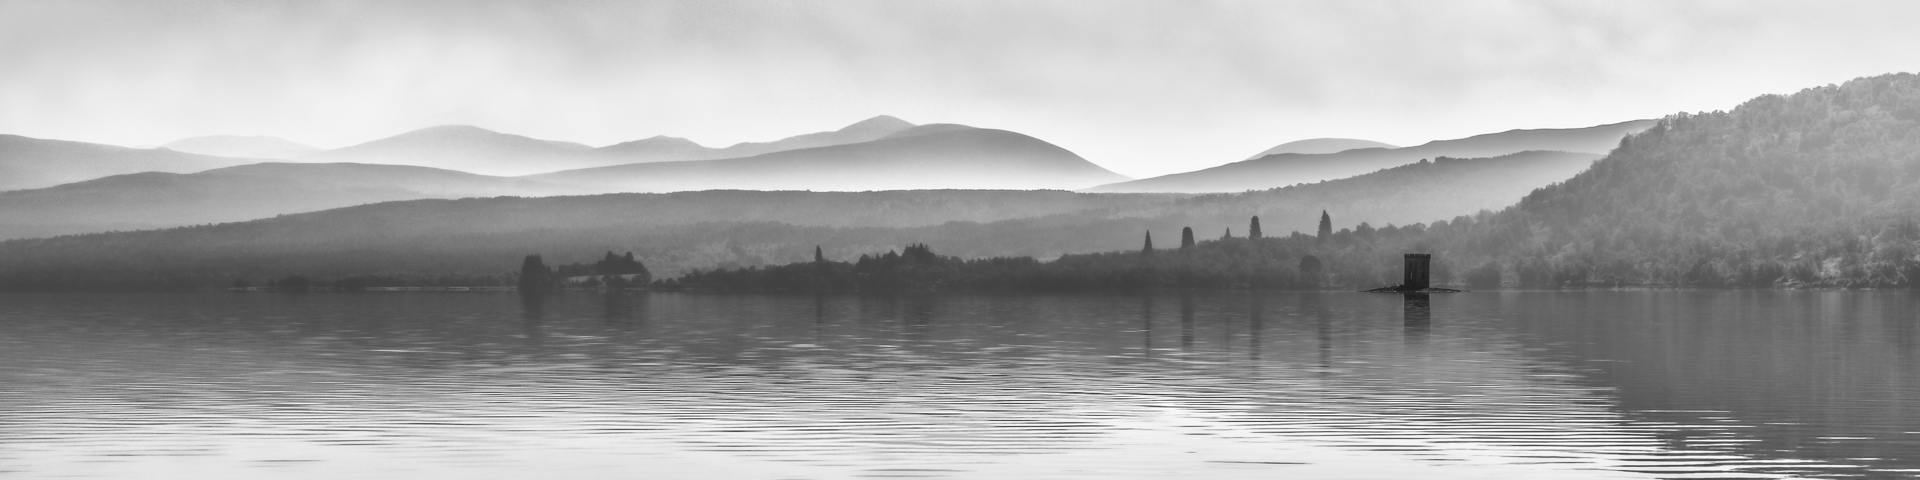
column 1253, row 228
column 1148, row 249
column 1186, row 238
column 535, row 276
column 1326, row 227
column 817, row 257
column 1228, row 235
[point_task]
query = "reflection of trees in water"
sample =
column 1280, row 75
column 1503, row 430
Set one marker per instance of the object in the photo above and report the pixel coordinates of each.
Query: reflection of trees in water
column 533, row 318
column 1316, row 306
column 616, row 307
column 1146, row 325
column 1256, row 304
column 917, row 316
column 819, row 318
column 1186, row 321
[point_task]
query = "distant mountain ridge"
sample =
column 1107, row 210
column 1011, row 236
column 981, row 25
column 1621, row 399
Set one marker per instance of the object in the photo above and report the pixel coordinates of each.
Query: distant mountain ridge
column 27, row 163
column 1321, row 145
column 472, row 149
column 463, row 148
column 1293, row 168
column 925, row 157
column 930, row 156
column 863, row 131
column 161, row 200
column 242, row 147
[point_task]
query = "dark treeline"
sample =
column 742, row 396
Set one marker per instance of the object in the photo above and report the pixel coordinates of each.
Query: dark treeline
column 613, row 272
column 1339, row 259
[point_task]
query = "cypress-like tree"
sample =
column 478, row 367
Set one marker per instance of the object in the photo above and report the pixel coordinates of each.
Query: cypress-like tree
column 1253, row 228
column 1326, row 227
column 1228, row 235
column 1186, row 238
column 817, row 257
column 1148, row 249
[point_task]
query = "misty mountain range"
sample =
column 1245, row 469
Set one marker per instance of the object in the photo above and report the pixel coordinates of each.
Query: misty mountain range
column 680, row 231
column 1816, row 188
column 93, row 188
column 226, row 217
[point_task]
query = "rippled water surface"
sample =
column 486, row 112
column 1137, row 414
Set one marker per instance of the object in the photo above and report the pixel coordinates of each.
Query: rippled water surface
column 1205, row 385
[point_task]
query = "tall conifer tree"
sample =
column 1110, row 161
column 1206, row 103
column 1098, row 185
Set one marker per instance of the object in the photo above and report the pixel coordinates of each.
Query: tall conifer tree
column 1186, row 237
column 1253, row 228
column 1326, row 227
column 1148, row 249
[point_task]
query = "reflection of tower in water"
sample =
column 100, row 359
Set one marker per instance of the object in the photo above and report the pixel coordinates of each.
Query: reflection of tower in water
column 1417, row 317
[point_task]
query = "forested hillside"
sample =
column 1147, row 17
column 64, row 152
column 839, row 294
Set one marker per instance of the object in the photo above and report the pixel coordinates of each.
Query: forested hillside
column 1820, row 187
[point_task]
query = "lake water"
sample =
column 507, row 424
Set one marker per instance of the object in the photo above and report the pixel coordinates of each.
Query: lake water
column 1208, row 385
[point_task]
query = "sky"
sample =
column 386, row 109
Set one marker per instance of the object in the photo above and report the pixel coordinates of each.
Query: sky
column 1143, row 88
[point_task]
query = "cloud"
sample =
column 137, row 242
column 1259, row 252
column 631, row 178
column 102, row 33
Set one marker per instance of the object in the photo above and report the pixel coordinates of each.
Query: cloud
column 1143, row 87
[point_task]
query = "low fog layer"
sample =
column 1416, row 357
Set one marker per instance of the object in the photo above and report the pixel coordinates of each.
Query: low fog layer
column 242, row 147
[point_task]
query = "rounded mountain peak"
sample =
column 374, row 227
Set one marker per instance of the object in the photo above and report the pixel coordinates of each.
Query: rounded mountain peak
column 1321, row 145
column 445, row 131
column 880, row 123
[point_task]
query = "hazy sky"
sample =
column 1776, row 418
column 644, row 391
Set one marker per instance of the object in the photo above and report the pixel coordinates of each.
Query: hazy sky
column 1143, row 88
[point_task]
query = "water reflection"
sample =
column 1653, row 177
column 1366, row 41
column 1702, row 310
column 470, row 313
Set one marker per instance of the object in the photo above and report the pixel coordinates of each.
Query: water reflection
column 1505, row 385
column 1417, row 317
column 1186, row 321
column 1256, row 304
column 1146, row 326
column 1323, row 328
